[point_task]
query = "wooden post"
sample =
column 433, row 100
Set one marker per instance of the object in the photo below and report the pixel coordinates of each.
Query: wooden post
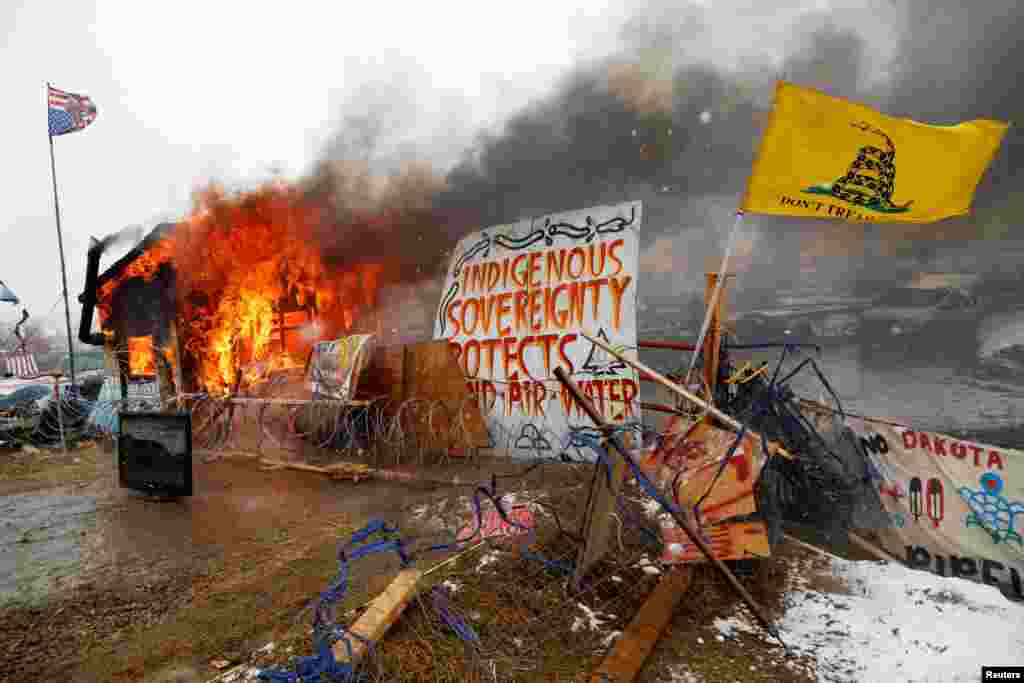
column 596, row 528
column 179, row 377
column 121, row 356
column 713, row 341
column 636, row 644
column 164, row 376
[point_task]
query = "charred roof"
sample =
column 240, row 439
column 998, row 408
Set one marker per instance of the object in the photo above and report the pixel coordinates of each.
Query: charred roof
column 156, row 234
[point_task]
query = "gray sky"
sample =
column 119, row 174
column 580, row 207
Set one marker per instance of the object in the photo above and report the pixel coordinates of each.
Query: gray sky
column 190, row 90
column 193, row 90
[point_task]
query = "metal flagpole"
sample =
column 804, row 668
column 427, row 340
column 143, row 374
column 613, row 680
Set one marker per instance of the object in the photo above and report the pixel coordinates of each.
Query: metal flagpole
column 60, row 244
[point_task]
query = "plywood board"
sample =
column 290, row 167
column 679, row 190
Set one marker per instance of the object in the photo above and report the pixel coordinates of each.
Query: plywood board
column 432, row 372
column 597, row 521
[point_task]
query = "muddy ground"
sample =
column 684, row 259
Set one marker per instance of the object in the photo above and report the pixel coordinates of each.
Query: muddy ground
column 98, row 583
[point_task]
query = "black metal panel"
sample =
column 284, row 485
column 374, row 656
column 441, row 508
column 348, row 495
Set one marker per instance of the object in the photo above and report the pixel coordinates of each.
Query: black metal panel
column 154, row 453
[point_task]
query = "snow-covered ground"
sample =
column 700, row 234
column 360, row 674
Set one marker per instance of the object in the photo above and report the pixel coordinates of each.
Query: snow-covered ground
column 897, row 624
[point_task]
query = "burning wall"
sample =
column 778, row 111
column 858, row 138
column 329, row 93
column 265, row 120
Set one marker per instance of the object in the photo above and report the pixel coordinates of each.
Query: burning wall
column 249, row 286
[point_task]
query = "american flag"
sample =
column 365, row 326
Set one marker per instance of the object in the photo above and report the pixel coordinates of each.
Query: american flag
column 69, row 112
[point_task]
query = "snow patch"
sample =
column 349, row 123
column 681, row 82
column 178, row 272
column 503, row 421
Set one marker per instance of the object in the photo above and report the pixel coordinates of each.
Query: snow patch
column 647, row 566
column 243, row 674
column 727, row 628
column 487, row 560
column 898, row 624
column 682, row 676
column 610, row 638
column 655, row 512
column 592, row 619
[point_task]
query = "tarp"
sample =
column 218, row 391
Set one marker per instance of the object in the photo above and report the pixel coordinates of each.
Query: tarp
column 85, row 361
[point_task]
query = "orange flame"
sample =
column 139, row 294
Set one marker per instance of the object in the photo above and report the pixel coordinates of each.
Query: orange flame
column 243, row 264
column 141, row 361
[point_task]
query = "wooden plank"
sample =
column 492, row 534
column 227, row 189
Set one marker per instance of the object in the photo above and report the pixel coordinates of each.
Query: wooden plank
column 178, row 376
column 813, row 548
column 597, row 526
column 432, row 372
column 380, row 615
column 871, row 548
column 354, row 471
column 383, row 374
column 713, row 341
column 635, row 645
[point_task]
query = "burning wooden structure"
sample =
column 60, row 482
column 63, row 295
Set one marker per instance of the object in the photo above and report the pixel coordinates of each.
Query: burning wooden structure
column 232, row 301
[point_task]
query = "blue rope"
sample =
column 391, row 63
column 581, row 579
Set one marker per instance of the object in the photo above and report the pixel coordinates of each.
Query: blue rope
column 444, row 609
column 360, row 545
column 323, row 662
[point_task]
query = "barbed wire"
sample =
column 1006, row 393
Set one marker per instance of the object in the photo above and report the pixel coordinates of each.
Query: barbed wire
column 505, row 610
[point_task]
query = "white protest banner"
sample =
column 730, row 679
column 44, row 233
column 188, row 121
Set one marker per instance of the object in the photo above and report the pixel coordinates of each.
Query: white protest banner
column 515, row 300
column 335, row 366
column 957, row 507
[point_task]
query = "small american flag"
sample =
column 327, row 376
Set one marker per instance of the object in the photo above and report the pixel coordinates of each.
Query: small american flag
column 69, row 112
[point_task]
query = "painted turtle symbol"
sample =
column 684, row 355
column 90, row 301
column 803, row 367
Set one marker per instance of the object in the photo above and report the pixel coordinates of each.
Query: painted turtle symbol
column 991, row 511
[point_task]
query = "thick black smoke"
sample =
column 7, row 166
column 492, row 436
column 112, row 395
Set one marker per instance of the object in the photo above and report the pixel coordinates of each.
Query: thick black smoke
column 660, row 123
column 668, row 121
column 960, row 61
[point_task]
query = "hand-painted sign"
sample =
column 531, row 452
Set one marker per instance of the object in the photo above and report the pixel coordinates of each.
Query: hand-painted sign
column 962, row 503
column 335, row 366
column 492, row 525
column 711, row 489
column 516, row 299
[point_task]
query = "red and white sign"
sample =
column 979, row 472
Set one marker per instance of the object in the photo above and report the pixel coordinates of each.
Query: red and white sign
column 493, row 526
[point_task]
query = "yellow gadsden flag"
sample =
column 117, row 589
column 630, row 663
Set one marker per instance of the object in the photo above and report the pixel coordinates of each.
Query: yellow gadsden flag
column 829, row 158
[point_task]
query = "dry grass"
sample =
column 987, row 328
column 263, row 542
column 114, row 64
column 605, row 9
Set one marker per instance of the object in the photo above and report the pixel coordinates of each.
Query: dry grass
column 230, row 612
column 32, row 466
